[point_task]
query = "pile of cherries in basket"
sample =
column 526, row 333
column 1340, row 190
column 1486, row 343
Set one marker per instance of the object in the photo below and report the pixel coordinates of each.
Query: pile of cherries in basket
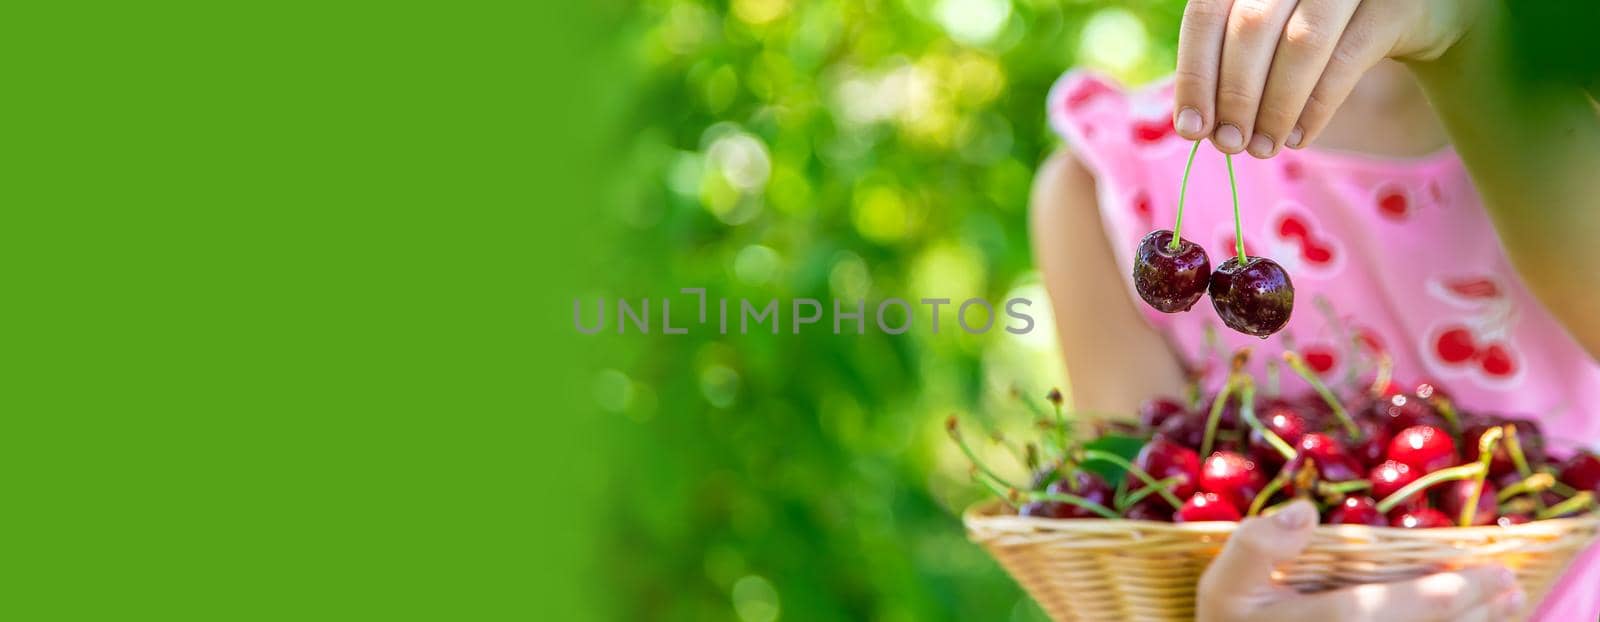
column 1386, row 456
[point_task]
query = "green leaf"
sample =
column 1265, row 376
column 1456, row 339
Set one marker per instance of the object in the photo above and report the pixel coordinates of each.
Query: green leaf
column 1126, row 446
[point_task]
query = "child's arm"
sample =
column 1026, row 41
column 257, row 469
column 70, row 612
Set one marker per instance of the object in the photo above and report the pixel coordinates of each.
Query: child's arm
column 1533, row 148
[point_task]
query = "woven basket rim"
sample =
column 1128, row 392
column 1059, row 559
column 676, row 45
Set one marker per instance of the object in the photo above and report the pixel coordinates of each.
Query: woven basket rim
column 985, row 516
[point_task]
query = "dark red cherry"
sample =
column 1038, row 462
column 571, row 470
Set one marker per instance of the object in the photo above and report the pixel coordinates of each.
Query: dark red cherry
column 1254, row 298
column 1233, row 477
column 1171, row 280
column 1582, row 472
column 1401, row 411
column 1454, row 496
column 1155, row 411
column 1089, row 486
column 1513, row 519
column 1421, row 518
column 1042, row 509
column 1357, row 511
column 1334, row 464
column 1152, row 508
column 1162, row 459
column 1390, row 477
column 1282, row 420
column 1424, row 448
column 1374, row 443
column 1187, row 429
column 1205, row 506
column 1528, row 437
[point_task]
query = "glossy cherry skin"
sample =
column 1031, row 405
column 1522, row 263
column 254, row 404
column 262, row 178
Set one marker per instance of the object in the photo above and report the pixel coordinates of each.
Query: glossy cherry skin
column 1089, row 486
column 1513, row 519
column 1582, row 472
column 1233, row 477
column 1421, row 518
column 1453, row 498
column 1373, row 447
column 1170, row 280
column 1334, row 464
column 1162, row 459
column 1424, row 447
column 1155, row 411
column 1153, row 508
column 1282, row 420
column 1357, row 511
column 1390, row 477
column 1041, row 509
column 1401, row 411
column 1188, row 429
column 1205, row 506
column 1254, row 298
column 1528, row 437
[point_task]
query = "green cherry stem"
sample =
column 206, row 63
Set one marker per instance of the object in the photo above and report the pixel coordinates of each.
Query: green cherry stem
column 1006, row 497
column 1577, row 502
column 1139, row 495
column 1332, row 489
column 1486, row 445
column 1104, row 456
column 1300, row 368
column 1055, row 399
column 1183, row 189
column 1238, row 226
column 954, row 428
column 1247, row 412
column 1215, row 416
column 1536, row 483
column 1464, row 471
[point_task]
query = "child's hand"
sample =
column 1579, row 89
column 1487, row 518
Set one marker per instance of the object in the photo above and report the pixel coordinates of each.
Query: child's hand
column 1238, row 586
column 1269, row 73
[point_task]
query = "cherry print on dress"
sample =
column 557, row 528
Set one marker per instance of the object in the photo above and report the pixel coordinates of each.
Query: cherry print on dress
column 1292, row 170
column 1322, row 358
column 1293, row 228
column 1479, row 344
column 1300, row 242
column 1394, row 202
column 1085, row 90
column 1142, row 207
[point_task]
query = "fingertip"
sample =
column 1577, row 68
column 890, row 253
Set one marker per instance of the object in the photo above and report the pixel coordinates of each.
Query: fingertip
column 1296, row 516
column 1189, row 123
column 1228, row 138
column 1295, row 138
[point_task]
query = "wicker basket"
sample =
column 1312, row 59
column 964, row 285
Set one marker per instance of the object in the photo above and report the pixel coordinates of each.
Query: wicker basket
column 1089, row 569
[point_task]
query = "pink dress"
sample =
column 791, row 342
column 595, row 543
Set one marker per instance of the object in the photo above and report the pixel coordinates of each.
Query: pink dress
column 1396, row 255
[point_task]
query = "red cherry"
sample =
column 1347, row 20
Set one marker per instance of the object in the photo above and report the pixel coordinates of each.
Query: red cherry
column 1151, row 509
column 1424, row 447
column 1582, row 472
column 1421, row 518
column 1155, row 411
column 1513, row 519
column 1401, row 411
column 1334, row 464
column 1254, row 297
column 1282, row 420
column 1374, row 442
column 1455, row 495
column 1456, row 346
column 1162, row 458
column 1205, row 506
column 1390, row 477
column 1170, row 280
column 1234, row 478
column 1357, row 511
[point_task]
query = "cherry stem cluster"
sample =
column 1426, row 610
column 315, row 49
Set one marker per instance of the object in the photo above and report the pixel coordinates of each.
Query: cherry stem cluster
column 1486, row 444
column 1215, row 416
column 1298, row 364
column 1247, row 412
column 1134, row 470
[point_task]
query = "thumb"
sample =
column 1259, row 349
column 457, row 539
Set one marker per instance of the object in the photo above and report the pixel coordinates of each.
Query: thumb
column 1246, row 561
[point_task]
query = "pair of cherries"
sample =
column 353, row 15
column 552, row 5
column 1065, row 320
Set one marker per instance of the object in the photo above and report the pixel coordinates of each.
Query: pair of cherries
column 1252, row 295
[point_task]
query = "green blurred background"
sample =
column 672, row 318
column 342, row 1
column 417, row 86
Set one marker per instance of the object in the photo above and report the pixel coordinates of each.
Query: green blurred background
column 831, row 150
